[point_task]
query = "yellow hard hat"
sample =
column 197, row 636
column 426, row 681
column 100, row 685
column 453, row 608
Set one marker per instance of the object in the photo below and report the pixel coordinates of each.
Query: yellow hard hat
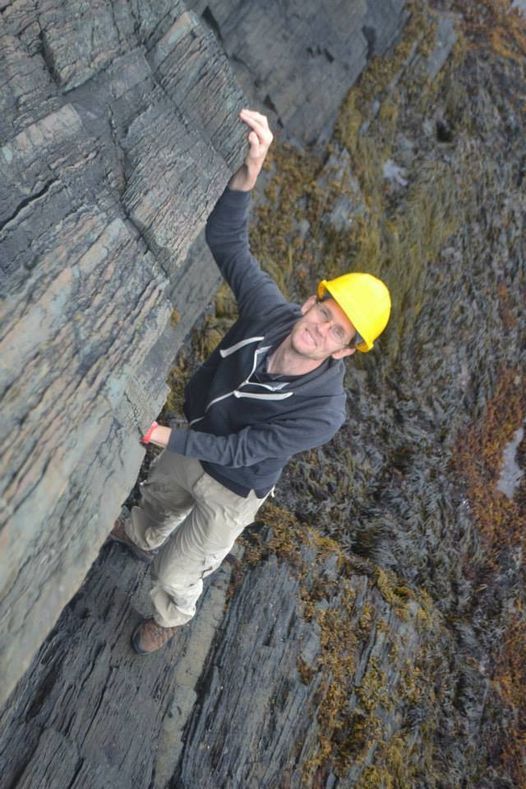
column 364, row 299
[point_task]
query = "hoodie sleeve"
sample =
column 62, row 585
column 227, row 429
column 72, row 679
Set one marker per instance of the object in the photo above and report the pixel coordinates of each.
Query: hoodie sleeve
column 280, row 439
column 227, row 236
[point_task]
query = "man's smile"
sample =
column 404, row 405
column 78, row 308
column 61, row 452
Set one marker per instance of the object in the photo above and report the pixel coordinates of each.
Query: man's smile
column 310, row 339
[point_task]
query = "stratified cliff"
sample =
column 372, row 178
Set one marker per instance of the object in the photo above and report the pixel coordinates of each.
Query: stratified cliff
column 368, row 632
column 114, row 151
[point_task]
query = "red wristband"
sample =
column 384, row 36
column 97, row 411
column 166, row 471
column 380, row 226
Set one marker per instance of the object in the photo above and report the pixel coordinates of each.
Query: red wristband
column 147, row 436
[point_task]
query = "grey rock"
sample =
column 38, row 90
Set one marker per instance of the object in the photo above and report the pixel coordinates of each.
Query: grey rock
column 446, row 38
column 82, row 43
column 511, row 473
column 207, row 69
column 88, row 706
column 348, row 204
column 252, row 685
column 303, row 228
column 28, row 90
column 160, row 181
column 290, row 58
column 102, row 192
column 394, row 173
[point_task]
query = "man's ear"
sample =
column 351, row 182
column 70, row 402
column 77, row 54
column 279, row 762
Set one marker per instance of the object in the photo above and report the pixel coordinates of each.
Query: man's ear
column 343, row 353
column 311, row 301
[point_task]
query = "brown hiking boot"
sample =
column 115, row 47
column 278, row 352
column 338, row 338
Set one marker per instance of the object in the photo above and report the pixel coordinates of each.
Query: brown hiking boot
column 118, row 534
column 149, row 637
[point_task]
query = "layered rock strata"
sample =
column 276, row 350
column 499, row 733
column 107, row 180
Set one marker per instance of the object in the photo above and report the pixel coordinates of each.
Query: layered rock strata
column 119, row 133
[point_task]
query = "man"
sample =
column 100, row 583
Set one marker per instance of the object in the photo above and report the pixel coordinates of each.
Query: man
column 273, row 387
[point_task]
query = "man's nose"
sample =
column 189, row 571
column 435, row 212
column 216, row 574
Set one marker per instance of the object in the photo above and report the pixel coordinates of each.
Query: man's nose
column 324, row 327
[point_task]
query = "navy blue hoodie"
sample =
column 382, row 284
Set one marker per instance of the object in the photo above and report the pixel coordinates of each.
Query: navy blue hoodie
column 243, row 430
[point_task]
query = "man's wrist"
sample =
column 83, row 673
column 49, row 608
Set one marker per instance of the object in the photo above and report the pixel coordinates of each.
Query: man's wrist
column 157, row 434
column 244, row 180
column 161, row 436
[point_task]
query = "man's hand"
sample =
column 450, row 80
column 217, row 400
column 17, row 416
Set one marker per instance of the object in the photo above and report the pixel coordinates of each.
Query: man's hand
column 156, row 434
column 259, row 140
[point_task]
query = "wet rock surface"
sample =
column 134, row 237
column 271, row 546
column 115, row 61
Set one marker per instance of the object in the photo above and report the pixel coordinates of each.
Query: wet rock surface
column 79, row 719
column 372, row 631
column 232, row 699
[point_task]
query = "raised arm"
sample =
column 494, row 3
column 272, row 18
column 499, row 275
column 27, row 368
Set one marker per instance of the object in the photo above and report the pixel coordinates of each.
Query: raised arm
column 227, row 236
column 227, row 226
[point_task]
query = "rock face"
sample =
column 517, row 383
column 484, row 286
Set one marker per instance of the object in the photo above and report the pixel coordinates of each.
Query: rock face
column 114, row 150
column 298, row 59
column 226, row 703
column 80, row 752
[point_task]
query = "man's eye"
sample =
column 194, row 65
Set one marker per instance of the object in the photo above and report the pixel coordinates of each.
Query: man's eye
column 338, row 332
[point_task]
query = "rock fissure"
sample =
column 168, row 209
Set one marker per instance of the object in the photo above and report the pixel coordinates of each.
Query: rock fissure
column 34, row 198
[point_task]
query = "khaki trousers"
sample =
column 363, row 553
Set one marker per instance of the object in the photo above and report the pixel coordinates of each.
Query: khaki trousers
column 196, row 520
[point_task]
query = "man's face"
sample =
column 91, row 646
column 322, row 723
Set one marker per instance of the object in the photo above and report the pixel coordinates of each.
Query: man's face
column 323, row 331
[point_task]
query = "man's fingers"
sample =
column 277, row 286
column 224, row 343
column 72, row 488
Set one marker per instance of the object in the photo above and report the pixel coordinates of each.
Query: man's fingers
column 258, row 123
column 259, row 139
column 263, row 136
column 257, row 116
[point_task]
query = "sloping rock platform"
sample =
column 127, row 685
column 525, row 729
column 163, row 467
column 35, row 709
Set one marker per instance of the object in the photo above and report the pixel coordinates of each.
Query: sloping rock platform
column 90, row 712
